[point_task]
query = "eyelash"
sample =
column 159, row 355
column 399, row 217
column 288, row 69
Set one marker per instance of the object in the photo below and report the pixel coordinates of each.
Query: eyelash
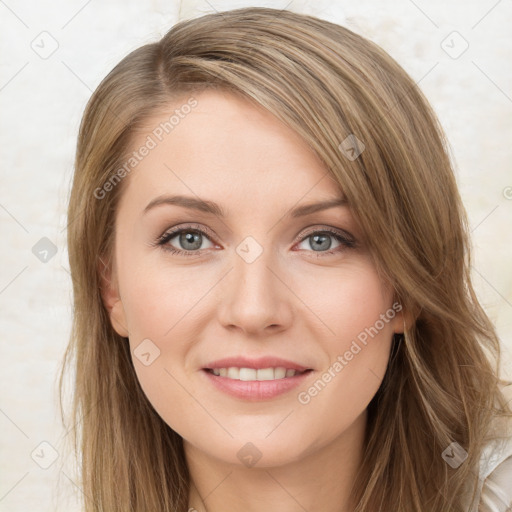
column 162, row 241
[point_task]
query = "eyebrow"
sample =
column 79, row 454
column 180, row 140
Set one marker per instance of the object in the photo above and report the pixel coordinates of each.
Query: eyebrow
column 212, row 208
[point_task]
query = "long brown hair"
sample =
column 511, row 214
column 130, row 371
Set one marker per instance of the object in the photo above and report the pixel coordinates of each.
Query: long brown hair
column 327, row 83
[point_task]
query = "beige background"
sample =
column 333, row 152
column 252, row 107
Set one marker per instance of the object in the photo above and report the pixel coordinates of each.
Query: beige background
column 42, row 98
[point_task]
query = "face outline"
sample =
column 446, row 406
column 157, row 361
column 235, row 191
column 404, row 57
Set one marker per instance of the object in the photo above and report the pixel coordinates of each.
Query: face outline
column 197, row 309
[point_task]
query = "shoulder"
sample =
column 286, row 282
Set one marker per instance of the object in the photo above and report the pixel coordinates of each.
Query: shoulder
column 496, row 495
column 495, row 477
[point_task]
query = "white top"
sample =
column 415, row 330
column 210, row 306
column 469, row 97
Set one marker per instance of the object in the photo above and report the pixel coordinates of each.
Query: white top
column 495, row 478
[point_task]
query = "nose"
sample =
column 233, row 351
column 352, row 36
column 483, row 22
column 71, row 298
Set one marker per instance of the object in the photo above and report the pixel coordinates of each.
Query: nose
column 255, row 297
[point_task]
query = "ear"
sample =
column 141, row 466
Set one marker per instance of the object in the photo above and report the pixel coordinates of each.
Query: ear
column 404, row 319
column 111, row 298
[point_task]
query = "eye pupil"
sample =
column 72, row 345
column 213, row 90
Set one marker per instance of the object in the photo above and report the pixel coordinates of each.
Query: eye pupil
column 322, row 245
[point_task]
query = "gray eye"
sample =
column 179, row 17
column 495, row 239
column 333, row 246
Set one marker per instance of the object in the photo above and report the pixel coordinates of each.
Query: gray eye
column 189, row 240
column 319, row 242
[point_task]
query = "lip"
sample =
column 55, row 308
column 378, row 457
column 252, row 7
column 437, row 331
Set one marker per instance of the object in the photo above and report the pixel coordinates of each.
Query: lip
column 253, row 390
column 257, row 364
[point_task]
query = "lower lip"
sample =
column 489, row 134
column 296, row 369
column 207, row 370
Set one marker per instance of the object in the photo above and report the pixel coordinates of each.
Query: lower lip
column 256, row 389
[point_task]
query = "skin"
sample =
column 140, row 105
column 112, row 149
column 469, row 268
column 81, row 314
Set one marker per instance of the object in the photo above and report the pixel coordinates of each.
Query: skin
column 292, row 302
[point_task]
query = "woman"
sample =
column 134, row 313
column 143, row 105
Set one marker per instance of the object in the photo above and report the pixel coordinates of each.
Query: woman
column 271, row 273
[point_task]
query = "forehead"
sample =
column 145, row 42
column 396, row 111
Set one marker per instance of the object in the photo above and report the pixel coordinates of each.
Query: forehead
column 216, row 144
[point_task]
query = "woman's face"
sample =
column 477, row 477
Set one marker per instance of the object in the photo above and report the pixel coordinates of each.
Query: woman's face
column 269, row 278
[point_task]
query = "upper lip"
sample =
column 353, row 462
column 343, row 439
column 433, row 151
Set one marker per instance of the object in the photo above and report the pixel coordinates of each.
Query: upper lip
column 258, row 363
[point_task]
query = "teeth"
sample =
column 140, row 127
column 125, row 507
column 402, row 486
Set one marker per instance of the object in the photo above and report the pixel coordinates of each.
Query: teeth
column 280, row 373
column 266, row 374
column 233, row 373
column 253, row 374
column 244, row 373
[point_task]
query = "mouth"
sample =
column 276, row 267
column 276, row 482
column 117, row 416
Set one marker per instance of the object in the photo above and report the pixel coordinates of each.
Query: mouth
column 256, row 385
column 258, row 375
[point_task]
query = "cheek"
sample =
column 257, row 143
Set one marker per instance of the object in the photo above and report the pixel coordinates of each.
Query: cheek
column 357, row 319
column 347, row 301
column 162, row 323
column 161, row 300
column 163, row 308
